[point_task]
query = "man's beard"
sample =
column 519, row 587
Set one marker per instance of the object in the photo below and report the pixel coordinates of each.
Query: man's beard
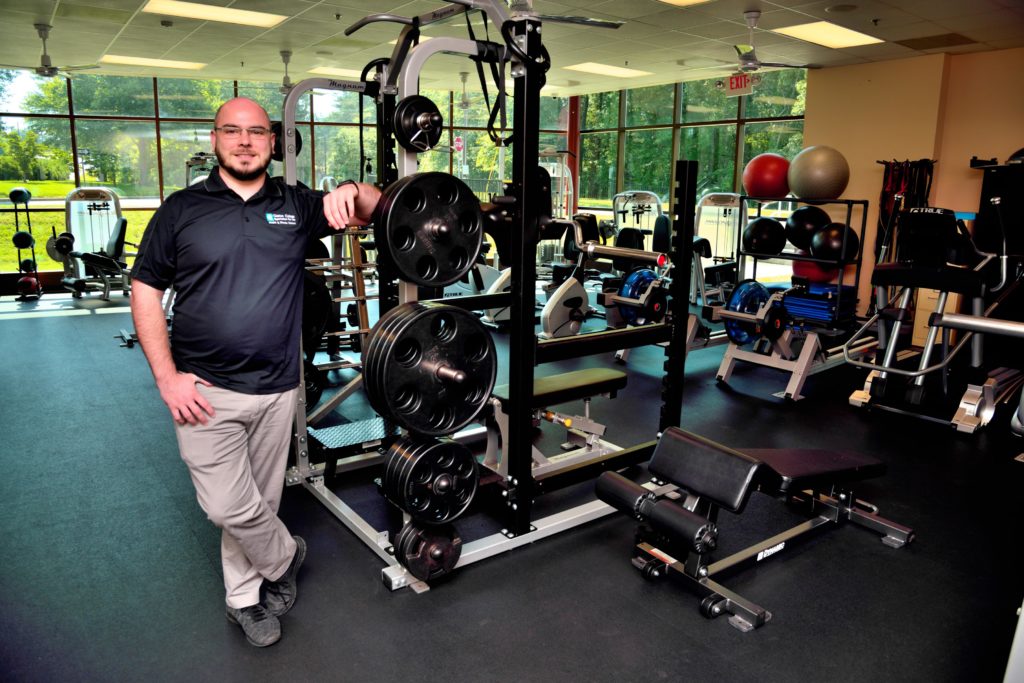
column 243, row 176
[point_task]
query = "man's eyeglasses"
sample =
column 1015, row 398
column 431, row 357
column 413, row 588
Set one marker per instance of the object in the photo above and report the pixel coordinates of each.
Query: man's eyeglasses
column 234, row 132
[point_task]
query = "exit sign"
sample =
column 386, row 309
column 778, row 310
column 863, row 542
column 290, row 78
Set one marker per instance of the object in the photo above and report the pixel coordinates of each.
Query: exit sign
column 739, row 84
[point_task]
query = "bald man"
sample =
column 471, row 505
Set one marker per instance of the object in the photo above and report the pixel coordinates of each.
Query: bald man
column 233, row 249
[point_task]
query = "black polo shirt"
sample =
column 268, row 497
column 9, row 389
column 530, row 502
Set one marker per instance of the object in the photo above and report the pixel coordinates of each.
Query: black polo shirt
column 236, row 268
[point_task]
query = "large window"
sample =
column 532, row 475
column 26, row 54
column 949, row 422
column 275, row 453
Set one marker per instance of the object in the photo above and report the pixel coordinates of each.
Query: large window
column 719, row 132
column 598, row 168
column 120, row 155
column 135, row 135
column 714, row 150
column 648, row 161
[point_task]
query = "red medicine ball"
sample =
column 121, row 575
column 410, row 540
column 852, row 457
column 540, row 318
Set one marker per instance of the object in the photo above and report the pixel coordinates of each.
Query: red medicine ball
column 812, row 271
column 766, row 176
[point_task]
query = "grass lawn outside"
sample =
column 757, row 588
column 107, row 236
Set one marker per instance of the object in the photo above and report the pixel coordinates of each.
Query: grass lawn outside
column 43, row 224
column 40, row 189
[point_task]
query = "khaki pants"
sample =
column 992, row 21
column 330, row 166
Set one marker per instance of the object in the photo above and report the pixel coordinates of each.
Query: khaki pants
column 237, row 463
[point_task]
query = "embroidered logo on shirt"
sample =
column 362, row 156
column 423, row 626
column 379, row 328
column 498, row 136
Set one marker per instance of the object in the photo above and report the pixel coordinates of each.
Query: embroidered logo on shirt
column 280, row 219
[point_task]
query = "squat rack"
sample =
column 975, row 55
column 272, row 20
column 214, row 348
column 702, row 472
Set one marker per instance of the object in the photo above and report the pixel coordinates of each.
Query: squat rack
column 524, row 50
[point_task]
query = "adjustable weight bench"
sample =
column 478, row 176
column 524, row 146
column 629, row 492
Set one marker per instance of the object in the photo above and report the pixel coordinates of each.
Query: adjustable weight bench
column 584, row 435
column 679, row 530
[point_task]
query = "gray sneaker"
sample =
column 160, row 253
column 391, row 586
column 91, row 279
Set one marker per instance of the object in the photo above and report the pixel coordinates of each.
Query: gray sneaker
column 280, row 595
column 260, row 626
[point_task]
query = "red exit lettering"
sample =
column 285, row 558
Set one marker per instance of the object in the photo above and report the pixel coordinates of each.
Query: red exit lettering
column 738, row 81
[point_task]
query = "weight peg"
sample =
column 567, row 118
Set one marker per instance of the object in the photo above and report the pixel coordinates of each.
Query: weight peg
column 428, row 553
column 429, row 367
column 429, row 227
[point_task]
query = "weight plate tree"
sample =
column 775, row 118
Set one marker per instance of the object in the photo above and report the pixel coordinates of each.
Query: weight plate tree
column 429, row 227
column 434, row 480
column 429, row 367
column 748, row 297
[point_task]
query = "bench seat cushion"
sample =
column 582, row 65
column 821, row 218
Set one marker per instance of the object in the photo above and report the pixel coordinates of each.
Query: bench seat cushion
column 569, row 386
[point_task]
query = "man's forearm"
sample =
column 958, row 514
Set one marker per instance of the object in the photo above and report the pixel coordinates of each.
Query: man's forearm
column 366, row 201
column 151, row 329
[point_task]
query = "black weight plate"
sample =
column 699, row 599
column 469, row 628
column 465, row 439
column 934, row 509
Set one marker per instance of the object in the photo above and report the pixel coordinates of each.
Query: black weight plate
column 438, row 482
column 429, row 227
column 406, row 452
column 315, row 381
column 277, row 153
column 374, row 365
column 373, row 345
column 409, row 132
column 428, row 553
column 316, row 311
column 383, row 338
column 405, row 375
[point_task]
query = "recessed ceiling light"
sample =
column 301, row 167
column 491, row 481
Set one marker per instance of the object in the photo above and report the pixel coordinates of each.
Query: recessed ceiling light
column 195, row 10
column 331, row 71
column 607, row 70
column 684, row 3
column 146, row 61
column 828, row 34
column 841, row 8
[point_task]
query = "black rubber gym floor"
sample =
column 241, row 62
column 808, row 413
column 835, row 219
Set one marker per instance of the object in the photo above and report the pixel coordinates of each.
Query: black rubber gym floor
column 111, row 572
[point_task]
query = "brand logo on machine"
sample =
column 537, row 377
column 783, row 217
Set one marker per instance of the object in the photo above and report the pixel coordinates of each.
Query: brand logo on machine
column 768, row 552
column 280, row 219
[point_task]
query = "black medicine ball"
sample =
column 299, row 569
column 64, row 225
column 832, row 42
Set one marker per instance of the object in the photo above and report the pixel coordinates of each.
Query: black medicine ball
column 827, row 243
column 764, row 236
column 803, row 223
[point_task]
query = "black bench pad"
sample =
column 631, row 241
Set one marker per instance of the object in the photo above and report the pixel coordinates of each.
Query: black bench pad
column 569, row 386
column 728, row 476
column 701, row 246
column 794, row 469
column 705, row 468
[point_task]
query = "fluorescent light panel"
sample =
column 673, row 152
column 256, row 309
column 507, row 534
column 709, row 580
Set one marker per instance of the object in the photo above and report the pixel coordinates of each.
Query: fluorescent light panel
column 828, row 34
column 607, row 70
column 331, row 71
column 684, row 3
column 423, row 39
column 145, row 61
column 194, row 10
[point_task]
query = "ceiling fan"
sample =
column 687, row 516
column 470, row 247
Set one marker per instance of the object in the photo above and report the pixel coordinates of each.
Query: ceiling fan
column 286, row 84
column 748, row 59
column 46, row 67
column 464, row 103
